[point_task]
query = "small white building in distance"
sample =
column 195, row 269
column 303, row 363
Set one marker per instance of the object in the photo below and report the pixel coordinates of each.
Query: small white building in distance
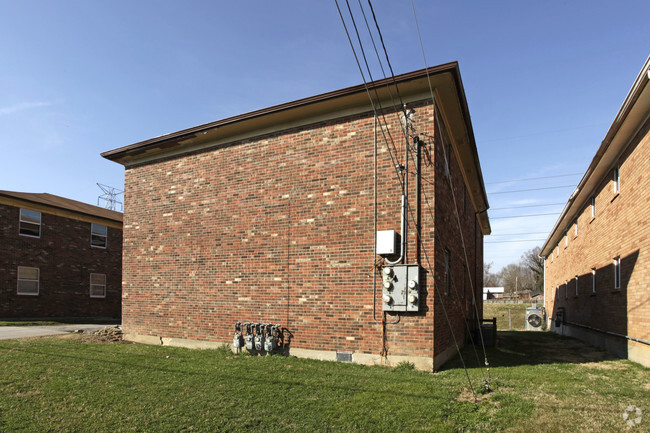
column 493, row 292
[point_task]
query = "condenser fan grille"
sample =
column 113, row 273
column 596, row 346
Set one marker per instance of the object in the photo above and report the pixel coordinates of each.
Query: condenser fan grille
column 535, row 320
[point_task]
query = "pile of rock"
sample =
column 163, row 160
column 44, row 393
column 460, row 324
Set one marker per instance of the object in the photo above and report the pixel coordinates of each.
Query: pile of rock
column 111, row 334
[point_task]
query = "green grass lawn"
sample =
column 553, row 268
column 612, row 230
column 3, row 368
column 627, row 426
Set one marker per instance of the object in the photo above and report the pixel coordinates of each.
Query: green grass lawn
column 541, row 382
column 58, row 321
column 500, row 311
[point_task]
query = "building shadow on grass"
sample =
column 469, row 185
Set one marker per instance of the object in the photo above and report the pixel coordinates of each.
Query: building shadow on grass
column 516, row 348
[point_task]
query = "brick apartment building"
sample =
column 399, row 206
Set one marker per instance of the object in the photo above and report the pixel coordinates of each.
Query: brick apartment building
column 597, row 258
column 269, row 217
column 58, row 258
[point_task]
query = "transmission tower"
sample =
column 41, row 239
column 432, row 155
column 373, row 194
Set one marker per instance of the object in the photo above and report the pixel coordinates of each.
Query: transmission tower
column 110, row 197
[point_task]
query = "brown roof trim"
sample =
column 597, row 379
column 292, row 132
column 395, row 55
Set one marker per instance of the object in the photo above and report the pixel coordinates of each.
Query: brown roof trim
column 55, row 201
column 452, row 67
column 444, row 78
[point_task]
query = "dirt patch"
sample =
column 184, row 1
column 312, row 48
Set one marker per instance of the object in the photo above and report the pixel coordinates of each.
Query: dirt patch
column 467, row 395
column 603, row 365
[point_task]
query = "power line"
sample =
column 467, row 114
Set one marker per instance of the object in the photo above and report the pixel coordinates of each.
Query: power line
column 543, row 133
column 533, row 178
column 526, row 206
column 521, row 234
column 515, row 240
column 532, row 189
column 408, row 210
column 472, row 286
column 525, row 216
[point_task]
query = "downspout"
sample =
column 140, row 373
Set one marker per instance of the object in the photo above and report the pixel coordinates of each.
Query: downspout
column 405, row 193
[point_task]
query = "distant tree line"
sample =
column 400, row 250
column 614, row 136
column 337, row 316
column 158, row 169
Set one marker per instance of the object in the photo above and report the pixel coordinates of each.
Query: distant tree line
column 527, row 274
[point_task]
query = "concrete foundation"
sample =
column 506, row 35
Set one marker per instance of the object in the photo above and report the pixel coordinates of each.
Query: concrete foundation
column 420, row 363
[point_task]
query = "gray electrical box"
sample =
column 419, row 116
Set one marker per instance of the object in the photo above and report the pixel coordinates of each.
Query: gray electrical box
column 401, row 288
column 387, row 243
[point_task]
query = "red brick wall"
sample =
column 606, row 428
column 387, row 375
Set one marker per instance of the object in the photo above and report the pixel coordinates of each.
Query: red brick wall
column 278, row 229
column 619, row 229
column 456, row 231
column 65, row 259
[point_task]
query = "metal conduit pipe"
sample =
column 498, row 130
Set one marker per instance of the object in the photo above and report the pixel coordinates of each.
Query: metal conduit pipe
column 405, row 193
column 614, row 334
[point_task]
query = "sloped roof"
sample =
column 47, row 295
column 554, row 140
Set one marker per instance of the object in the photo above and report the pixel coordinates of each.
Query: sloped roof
column 634, row 111
column 64, row 203
column 413, row 86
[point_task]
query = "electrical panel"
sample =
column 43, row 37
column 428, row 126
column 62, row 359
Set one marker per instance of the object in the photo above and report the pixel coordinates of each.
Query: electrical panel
column 387, row 243
column 401, row 288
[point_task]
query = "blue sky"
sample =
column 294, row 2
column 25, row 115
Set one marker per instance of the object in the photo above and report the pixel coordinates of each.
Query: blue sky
column 543, row 80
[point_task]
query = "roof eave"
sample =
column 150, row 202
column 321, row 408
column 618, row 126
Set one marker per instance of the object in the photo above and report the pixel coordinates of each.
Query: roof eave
column 634, row 111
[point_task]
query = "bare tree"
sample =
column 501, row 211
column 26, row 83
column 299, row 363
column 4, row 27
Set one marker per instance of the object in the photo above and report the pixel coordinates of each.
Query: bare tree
column 490, row 279
column 516, row 278
column 535, row 264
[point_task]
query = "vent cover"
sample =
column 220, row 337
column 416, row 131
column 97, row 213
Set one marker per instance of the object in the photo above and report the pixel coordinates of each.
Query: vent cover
column 344, row 356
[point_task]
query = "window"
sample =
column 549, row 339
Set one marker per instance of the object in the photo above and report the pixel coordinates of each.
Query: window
column 593, row 280
column 566, row 289
column 575, row 228
column 447, row 272
column 464, row 280
column 617, row 273
column 593, row 207
column 617, row 180
column 27, row 281
column 30, row 223
column 576, row 285
column 98, row 235
column 97, row 285
column 447, row 158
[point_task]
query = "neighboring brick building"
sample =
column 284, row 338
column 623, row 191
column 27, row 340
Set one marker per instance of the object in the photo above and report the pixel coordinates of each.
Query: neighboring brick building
column 269, row 217
column 597, row 258
column 58, row 258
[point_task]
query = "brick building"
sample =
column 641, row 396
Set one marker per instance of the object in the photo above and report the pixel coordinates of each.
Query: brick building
column 58, row 258
column 597, row 258
column 270, row 217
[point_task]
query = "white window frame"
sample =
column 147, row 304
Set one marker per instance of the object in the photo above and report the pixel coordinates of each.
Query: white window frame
column 617, row 179
column 94, row 234
column 27, row 280
column 22, row 221
column 96, row 285
column 617, row 272
column 593, row 280
column 593, row 206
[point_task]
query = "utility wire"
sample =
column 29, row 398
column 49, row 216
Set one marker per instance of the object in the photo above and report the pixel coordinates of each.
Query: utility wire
column 521, row 234
column 522, row 207
column 533, row 178
column 532, row 189
column 456, row 210
column 515, row 240
column 397, row 173
column 525, row 216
